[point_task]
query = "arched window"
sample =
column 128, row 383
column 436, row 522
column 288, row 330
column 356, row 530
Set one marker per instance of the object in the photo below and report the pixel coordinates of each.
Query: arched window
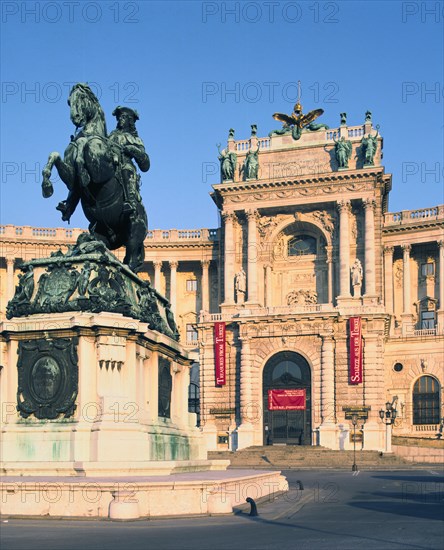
column 426, row 407
column 301, row 245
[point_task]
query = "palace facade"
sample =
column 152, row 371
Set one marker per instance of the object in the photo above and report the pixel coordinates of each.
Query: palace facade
column 305, row 245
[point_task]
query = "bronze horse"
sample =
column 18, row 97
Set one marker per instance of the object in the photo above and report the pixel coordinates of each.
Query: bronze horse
column 91, row 169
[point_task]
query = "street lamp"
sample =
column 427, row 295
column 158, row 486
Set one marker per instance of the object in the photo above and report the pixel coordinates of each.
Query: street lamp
column 354, row 422
column 388, row 416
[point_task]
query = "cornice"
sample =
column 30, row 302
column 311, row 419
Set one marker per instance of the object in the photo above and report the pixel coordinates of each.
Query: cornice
column 330, row 178
column 424, row 226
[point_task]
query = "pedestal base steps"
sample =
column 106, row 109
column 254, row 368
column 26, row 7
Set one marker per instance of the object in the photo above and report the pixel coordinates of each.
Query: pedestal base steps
column 135, row 497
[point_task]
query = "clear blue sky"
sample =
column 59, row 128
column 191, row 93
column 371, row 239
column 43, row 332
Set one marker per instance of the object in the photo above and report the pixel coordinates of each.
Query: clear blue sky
column 175, row 62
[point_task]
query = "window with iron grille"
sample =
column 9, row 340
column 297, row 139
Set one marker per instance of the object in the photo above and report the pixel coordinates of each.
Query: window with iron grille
column 301, row 245
column 426, row 406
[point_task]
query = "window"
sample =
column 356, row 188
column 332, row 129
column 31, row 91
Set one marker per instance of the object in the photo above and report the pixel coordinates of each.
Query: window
column 398, row 367
column 192, row 285
column 427, row 319
column 428, row 269
column 426, row 401
column 301, row 246
column 194, row 400
column 191, row 333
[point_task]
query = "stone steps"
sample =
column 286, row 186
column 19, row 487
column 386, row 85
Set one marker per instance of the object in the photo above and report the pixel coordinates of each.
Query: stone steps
column 305, row 457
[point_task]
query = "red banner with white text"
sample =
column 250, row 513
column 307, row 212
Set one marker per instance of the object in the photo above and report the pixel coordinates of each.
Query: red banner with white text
column 286, row 400
column 219, row 353
column 355, row 371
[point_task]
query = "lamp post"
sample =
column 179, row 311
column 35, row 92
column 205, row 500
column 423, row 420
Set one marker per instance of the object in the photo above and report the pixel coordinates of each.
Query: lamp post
column 354, row 422
column 388, row 416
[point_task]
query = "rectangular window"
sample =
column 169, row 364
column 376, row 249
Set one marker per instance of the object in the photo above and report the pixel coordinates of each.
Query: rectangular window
column 192, row 285
column 428, row 269
column 428, row 319
column 191, row 333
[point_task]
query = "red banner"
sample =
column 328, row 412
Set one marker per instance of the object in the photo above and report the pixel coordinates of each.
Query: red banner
column 355, row 371
column 219, row 353
column 286, row 400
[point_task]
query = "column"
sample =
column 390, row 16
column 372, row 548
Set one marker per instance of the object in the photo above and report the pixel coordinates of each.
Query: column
column 9, row 279
column 268, row 286
column 229, row 257
column 173, row 285
column 328, row 381
column 406, row 278
column 246, row 429
column 329, row 249
column 369, row 270
column 205, row 287
column 388, row 278
column 157, row 270
column 344, row 248
column 407, row 315
column 440, row 319
column 252, row 255
column 327, row 430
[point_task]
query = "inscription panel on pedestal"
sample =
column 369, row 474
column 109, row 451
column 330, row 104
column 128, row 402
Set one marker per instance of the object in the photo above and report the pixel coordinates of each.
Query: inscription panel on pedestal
column 48, row 378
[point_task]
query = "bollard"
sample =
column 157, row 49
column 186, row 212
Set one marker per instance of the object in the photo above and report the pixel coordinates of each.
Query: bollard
column 300, row 485
column 253, row 511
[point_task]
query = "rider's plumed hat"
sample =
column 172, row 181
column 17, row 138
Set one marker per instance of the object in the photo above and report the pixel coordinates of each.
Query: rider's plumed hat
column 121, row 109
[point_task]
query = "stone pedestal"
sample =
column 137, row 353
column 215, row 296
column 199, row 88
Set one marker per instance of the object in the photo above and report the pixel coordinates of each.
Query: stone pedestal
column 94, row 389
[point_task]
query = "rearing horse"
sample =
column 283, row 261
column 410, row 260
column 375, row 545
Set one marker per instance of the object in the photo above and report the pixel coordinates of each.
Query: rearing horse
column 91, row 169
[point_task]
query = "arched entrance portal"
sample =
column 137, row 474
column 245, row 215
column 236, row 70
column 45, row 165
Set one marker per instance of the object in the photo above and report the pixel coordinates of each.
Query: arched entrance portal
column 287, row 414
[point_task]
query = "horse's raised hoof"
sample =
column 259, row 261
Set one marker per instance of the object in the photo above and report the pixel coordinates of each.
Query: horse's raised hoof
column 47, row 189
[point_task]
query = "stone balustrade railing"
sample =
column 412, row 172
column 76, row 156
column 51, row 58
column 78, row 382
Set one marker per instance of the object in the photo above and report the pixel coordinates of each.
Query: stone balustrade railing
column 68, row 236
column 288, row 310
column 24, row 232
column 353, row 132
column 411, row 216
column 180, row 235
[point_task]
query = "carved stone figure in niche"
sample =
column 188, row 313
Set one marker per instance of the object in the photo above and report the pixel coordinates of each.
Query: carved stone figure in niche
column 369, row 147
column 356, row 277
column 343, row 152
column 240, row 286
column 251, row 165
column 228, row 163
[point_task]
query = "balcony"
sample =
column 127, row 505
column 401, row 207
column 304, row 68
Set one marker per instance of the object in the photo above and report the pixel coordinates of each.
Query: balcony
column 414, row 216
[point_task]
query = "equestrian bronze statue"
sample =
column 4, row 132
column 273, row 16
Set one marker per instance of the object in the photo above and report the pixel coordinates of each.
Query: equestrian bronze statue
column 99, row 171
